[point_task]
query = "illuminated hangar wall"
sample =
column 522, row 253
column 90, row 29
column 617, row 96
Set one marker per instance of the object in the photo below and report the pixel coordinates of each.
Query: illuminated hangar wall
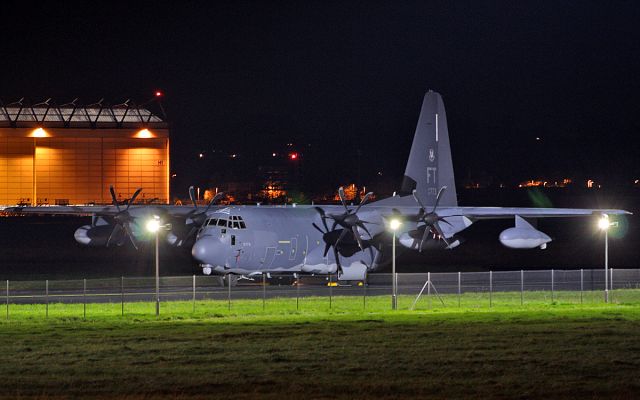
column 76, row 166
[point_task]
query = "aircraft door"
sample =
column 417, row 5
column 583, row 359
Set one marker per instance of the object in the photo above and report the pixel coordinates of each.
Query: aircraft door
column 294, row 249
column 269, row 255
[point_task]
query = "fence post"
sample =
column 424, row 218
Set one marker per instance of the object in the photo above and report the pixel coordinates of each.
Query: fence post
column 264, row 290
column 521, row 287
column 194, row 293
column 581, row 283
column 364, row 289
column 297, row 292
column 552, row 284
column 490, row 289
column 122, row 296
column 46, row 295
column 429, row 288
column 84, row 298
column 7, row 299
column 229, row 291
column 330, row 291
column 611, row 284
column 459, row 288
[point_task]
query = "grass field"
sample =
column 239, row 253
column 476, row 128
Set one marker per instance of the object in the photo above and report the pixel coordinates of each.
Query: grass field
column 541, row 349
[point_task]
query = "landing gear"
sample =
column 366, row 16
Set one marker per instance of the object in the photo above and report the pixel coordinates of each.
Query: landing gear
column 230, row 279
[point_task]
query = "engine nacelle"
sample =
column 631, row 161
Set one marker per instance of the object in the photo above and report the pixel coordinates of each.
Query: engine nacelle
column 409, row 241
column 95, row 236
column 524, row 236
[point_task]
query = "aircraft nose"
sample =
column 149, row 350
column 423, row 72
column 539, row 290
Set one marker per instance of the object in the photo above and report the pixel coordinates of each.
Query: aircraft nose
column 209, row 250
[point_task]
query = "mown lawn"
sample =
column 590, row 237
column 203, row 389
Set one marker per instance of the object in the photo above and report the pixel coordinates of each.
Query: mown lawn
column 539, row 350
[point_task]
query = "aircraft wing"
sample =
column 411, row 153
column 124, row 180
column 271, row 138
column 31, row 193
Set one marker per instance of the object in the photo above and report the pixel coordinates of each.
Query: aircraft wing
column 176, row 211
column 478, row 213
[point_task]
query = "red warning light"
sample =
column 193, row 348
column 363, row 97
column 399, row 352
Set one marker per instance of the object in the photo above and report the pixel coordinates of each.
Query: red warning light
column 158, row 93
column 293, row 156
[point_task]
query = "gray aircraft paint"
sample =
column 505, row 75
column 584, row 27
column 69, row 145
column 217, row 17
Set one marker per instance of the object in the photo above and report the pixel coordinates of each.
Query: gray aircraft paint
column 283, row 238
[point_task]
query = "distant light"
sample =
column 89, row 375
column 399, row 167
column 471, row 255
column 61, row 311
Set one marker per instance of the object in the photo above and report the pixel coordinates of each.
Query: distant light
column 233, row 155
column 273, row 154
column 39, row 132
column 153, row 225
column 537, row 138
column 604, row 223
column 293, row 156
column 144, row 134
column 201, row 155
column 174, row 175
column 158, row 93
column 394, row 224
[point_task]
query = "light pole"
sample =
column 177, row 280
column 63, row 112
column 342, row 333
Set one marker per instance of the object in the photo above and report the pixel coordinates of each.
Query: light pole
column 604, row 224
column 394, row 224
column 154, row 226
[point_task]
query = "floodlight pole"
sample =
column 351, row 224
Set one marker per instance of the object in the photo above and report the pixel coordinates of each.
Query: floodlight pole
column 394, row 282
column 606, row 265
column 157, row 275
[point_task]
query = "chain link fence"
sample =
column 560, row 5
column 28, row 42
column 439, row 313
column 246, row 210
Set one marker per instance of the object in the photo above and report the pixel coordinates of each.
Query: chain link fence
column 119, row 296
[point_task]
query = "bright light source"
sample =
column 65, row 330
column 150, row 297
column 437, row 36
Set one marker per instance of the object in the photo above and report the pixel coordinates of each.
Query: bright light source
column 274, row 154
column 394, row 224
column 293, row 156
column 158, row 93
column 144, row 134
column 201, row 155
column 153, row 225
column 39, row 132
column 604, row 223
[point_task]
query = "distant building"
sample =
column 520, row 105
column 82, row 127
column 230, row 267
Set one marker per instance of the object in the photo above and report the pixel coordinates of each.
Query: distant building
column 70, row 154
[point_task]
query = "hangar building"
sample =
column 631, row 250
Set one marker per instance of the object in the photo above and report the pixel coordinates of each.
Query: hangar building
column 70, row 154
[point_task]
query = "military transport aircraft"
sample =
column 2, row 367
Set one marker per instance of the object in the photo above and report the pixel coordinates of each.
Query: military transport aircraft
column 343, row 239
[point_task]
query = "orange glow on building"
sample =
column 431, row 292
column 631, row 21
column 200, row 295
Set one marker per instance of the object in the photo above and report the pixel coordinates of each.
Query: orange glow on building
column 39, row 133
column 144, row 134
column 63, row 156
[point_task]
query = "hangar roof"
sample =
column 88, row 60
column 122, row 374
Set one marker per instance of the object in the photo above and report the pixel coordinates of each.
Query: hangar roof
column 73, row 115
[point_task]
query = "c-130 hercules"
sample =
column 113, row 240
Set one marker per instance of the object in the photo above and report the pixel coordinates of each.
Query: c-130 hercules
column 349, row 241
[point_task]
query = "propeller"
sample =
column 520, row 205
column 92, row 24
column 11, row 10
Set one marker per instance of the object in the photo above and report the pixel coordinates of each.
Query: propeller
column 348, row 221
column 431, row 219
column 196, row 216
column 122, row 218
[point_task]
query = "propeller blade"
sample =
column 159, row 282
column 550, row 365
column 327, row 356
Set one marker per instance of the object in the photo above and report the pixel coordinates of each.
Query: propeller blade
column 192, row 232
column 364, row 228
column 424, row 237
column 436, row 226
column 127, row 229
column 356, row 235
column 341, row 195
column 214, row 200
column 113, row 197
column 116, row 229
column 327, row 246
column 133, row 198
column 337, row 256
column 342, row 234
column 322, row 217
column 364, row 200
column 192, row 196
column 417, row 199
column 316, row 226
column 438, row 197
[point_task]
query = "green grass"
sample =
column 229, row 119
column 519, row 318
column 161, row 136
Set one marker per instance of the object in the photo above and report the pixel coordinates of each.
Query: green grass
column 541, row 349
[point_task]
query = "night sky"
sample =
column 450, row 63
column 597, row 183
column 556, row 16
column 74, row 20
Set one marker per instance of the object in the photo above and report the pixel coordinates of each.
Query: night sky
column 346, row 76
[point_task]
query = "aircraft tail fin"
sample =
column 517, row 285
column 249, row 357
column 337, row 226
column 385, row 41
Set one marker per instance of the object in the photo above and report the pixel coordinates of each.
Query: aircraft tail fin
column 430, row 165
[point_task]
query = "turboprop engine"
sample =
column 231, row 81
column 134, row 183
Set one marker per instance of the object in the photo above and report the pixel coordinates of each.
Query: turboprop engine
column 524, row 236
column 94, row 235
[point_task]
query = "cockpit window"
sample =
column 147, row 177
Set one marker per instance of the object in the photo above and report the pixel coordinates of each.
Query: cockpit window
column 222, row 222
column 234, row 222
